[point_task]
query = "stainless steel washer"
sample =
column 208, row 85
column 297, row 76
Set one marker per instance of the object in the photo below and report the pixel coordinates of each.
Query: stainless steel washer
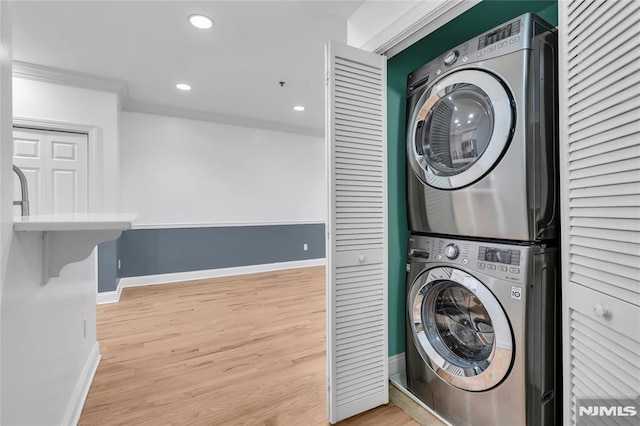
column 481, row 344
column 482, row 137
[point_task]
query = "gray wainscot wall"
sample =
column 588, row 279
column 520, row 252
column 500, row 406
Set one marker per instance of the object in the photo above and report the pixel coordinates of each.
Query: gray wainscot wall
column 162, row 251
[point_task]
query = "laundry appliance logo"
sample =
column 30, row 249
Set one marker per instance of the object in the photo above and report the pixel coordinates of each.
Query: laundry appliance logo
column 606, row 410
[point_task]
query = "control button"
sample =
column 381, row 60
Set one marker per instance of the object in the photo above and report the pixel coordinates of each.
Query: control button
column 481, row 265
column 503, row 44
column 502, row 268
column 439, row 257
column 491, row 266
column 514, row 40
column 514, row 270
column 451, row 251
column 464, row 59
column 438, row 72
column 491, row 49
column 451, row 57
column 465, row 261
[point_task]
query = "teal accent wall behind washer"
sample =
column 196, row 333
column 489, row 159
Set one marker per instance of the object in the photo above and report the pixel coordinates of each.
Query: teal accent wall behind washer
column 480, row 18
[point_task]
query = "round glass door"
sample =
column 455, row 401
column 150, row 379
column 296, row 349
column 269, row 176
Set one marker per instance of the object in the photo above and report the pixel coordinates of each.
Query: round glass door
column 459, row 129
column 460, row 329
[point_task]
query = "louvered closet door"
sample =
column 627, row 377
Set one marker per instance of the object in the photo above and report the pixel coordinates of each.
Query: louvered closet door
column 600, row 125
column 356, row 231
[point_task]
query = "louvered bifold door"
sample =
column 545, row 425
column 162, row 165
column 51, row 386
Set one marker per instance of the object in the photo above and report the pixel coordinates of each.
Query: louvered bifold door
column 600, row 146
column 356, row 231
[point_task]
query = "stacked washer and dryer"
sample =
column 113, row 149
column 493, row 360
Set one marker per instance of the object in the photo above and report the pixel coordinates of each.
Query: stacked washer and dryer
column 482, row 187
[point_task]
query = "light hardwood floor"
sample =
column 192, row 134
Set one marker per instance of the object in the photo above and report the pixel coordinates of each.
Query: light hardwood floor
column 245, row 350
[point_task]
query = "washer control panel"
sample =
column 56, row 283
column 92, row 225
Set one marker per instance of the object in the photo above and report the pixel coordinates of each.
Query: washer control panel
column 451, row 57
column 506, row 262
column 451, row 251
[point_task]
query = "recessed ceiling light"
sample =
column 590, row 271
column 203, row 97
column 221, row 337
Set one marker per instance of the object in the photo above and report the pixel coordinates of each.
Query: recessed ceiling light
column 201, row 21
column 298, row 108
column 183, row 86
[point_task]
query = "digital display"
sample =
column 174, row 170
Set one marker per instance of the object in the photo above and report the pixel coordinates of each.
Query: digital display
column 497, row 255
column 499, row 34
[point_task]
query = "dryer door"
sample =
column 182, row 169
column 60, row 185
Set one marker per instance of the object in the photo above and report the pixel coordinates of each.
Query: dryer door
column 460, row 329
column 459, row 129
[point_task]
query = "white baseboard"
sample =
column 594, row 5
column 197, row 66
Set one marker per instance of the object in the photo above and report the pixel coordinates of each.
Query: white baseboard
column 216, row 273
column 397, row 364
column 79, row 395
column 109, row 296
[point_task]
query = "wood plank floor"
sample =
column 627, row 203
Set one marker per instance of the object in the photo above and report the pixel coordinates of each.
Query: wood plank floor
column 245, row 350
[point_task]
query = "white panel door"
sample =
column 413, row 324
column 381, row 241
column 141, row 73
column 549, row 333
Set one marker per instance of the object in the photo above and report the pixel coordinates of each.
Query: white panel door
column 356, row 232
column 600, row 156
column 55, row 164
column 28, row 147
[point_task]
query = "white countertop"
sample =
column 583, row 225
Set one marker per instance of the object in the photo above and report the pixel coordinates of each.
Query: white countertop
column 75, row 222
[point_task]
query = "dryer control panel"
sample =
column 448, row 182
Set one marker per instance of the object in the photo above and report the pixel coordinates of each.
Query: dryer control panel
column 502, row 261
column 517, row 34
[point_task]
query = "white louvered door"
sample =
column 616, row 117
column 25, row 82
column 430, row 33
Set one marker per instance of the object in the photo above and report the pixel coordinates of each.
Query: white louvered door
column 356, row 231
column 600, row 149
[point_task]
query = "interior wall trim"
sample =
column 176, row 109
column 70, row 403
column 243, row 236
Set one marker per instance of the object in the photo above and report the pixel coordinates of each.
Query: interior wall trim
column 80, row 80
column 53, row 75
column 214, row 273
column 397, row 364
column 423, row 19
column 107, row 297
column 223, row 224
column 80, row 392
column 189, row 114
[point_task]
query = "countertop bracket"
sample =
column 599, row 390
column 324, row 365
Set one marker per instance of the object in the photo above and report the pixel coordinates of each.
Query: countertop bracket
column 71, row 238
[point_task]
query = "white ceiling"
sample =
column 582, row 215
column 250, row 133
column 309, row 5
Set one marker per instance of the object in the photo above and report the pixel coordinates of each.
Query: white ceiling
column 234, row 68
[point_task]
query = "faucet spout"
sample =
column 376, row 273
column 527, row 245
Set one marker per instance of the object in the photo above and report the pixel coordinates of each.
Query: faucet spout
column 24, row 203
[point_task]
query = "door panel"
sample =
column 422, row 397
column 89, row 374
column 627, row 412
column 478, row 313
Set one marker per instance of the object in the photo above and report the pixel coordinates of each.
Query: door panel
column 356, row 232
column 68, row 171
column 56, row 167
column 600, row 182
column 28, row 148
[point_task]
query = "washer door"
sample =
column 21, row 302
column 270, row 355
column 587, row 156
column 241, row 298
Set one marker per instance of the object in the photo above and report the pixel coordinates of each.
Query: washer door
column 460, row 329
column 459, row 129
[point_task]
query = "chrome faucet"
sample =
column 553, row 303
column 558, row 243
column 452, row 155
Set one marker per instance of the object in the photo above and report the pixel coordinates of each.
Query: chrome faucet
column 24, row 203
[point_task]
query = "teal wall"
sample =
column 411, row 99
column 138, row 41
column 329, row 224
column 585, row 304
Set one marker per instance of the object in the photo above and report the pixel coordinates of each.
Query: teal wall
column 480, row 18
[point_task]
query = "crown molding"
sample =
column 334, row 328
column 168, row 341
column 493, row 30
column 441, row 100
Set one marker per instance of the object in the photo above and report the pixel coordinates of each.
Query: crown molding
column 189, row 114
column 418, row 22
column 46, row 74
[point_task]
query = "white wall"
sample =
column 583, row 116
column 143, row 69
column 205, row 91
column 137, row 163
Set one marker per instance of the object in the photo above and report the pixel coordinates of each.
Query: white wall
column 45, row 354
column 6, row 148
column 186, row 172
column 48, row 330
column 53, row 102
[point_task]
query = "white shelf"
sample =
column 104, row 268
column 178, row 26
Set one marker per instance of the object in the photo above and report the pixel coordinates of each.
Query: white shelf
column 75, row 222
column 69, row 238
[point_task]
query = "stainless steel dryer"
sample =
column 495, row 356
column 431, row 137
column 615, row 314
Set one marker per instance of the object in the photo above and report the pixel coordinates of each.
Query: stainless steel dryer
column 480, row 346
column 482, row 137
